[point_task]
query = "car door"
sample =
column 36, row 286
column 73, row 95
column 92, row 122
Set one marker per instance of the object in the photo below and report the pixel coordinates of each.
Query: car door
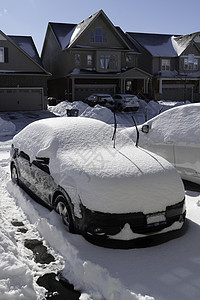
column 164, row 149
column 44, row 185
column 23, row 162
column 187, row 160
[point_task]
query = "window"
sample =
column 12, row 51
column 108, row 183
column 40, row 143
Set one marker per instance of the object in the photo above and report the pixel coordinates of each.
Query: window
column 165, row 65
column 77, row 59
column 108, row 62
column 191, row 63
column 1, row 54
column 128, row 58
column 89, row 60
column 91, row 37
column 98, row 36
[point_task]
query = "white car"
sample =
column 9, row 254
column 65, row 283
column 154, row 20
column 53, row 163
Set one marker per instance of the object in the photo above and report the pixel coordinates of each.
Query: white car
column 126, row 102
column 174, row 135
column 101, row 99
column 100, row 188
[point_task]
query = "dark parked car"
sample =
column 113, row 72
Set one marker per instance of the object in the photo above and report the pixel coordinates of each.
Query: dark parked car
column 101, row 99
column 100, row 188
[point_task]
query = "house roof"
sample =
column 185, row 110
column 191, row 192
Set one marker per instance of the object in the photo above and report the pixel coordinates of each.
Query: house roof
column 27, row 45
column 67, row 33
column 63, row 32
column 180, row 43
column 128, row 41
column 163, row 45
column 155, row 44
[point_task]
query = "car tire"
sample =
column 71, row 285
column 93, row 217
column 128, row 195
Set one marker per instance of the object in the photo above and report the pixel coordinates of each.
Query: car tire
column 62, row 208
column 14, row 175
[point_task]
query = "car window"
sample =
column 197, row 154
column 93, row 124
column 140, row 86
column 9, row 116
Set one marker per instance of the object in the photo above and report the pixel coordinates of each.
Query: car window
column 42, row 164
column 118, row 97
column 24, row 155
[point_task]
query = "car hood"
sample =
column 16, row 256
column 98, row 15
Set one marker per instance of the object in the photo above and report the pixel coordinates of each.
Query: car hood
column 124, row 180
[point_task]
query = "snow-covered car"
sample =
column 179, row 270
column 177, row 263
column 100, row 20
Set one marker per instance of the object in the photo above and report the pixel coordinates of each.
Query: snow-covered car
column 101, row 99
column 126, row 102
column 100, row 188
column 174, row 135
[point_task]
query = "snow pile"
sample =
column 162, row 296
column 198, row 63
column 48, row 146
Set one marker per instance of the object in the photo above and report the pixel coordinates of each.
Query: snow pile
column 145, row 112
column 99, row 113
column 61, row 108
column 12, row 268
column 12, row 265
column 7, row 127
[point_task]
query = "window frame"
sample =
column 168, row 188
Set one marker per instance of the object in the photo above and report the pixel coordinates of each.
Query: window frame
column 2, row 56
column 98, row 36
column 89, row 60
column 77, row 58
column 165, row 64
column 108, row 62
column 190, row 63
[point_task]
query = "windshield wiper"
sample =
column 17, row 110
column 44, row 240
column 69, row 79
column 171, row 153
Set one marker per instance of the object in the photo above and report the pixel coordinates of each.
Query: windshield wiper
column 137, row 139
column 115, row 129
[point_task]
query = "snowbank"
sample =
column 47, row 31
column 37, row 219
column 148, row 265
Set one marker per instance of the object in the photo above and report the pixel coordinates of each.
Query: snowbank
column 7, row 127
column 61, row 108
column 12, row 265
column 12, row 268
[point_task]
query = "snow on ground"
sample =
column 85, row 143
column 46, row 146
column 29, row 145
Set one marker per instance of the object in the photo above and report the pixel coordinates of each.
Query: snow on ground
column 165, row 271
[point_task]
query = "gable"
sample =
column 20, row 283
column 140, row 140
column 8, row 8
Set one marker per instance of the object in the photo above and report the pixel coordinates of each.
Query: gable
column 100, row 33
column 20, row 55
column 96, row 27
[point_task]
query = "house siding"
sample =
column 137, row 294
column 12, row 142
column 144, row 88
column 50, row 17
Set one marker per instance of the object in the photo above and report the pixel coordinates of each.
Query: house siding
column 17, row 60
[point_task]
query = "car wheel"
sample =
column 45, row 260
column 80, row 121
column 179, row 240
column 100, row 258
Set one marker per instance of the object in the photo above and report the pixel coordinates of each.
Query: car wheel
column 14, row 175
column 62, row 208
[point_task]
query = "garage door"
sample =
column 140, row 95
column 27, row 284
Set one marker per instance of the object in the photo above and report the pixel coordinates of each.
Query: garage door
column 83, row 91
column 179, row 92
column 12, row 99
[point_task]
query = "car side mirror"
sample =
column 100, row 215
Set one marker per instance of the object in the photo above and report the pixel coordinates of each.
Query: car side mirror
column 145, row 128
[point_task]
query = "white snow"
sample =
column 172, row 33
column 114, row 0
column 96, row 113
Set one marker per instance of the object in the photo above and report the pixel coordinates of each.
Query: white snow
column 7, row 127
column 166, row 271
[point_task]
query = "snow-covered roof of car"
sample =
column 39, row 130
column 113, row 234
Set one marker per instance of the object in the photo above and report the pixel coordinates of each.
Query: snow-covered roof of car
column 84, row 161
column 183, row 126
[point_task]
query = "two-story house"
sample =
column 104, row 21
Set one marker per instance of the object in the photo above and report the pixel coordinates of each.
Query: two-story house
column 23, row 80
column 91, row 57
column 173, row 62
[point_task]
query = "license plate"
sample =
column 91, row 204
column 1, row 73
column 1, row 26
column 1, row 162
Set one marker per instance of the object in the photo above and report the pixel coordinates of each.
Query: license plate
column 156, row 219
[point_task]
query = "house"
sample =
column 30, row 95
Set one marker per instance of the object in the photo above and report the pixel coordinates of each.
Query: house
column 173, row 62
column 23, row 80
column 91, row 57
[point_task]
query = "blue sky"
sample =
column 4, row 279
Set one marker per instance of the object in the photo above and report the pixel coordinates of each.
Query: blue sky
column 30, row 17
